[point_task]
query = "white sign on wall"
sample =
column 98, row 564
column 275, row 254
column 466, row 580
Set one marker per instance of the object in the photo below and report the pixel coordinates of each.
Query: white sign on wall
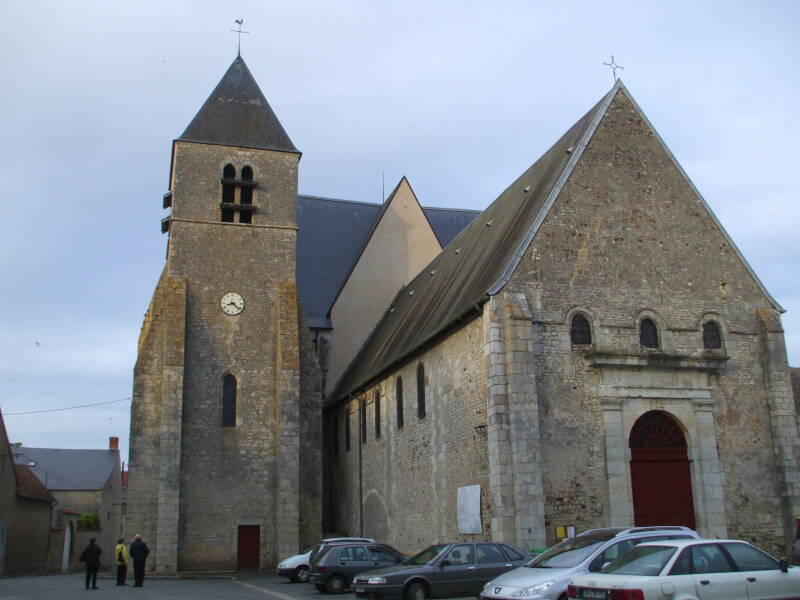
column 469, row 509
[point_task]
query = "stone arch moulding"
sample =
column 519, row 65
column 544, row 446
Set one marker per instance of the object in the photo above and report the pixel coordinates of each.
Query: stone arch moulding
column 685, row 395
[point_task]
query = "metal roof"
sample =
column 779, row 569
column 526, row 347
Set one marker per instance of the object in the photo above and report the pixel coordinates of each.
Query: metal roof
column 237, row 114
column 68, row 469
column 330, row 238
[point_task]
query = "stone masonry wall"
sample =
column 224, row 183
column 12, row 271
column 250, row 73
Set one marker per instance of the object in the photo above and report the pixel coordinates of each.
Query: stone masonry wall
column 627, row 238
column 411, row 475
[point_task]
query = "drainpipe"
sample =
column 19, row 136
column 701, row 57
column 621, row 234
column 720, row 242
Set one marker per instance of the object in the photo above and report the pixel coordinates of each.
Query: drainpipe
column 361, row 407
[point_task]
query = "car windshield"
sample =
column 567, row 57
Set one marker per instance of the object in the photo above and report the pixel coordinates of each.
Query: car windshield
column 320, row 551
column 426, row 555
column 641, row 560
column 569, row 553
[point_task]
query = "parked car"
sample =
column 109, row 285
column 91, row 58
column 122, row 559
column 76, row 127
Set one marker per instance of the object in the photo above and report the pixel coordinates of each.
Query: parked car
column 729, row 569
column 441, row 570
column 296, row 567
column 332, row 569
column 546, row 576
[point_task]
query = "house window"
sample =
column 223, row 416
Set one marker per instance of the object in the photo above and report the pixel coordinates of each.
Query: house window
column 420, row 390
column 712, row 339
column 362, row 410
column 229, row 401
column 398, row 395
column 347, row 429
column 580, row 332
column 246, row 196
column 228, row 192
column 377, row 414
column 648, row 334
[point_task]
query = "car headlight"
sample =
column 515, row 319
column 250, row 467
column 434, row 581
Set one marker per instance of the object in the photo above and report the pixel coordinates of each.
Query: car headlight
column 376, row 580
column 282, row 565
column 534, row 589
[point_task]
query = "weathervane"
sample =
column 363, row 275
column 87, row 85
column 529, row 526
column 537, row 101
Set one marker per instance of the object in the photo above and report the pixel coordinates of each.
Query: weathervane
column 240, row 32
column 614, row 68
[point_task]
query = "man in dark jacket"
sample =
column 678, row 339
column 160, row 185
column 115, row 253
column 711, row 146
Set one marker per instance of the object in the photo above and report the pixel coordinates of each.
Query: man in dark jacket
column 138, row 553
column 91, row 556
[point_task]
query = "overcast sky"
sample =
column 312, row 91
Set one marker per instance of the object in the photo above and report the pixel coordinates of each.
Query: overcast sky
column 460, row 97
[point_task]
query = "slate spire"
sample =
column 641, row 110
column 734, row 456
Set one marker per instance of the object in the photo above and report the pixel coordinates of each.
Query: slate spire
column 237, row 114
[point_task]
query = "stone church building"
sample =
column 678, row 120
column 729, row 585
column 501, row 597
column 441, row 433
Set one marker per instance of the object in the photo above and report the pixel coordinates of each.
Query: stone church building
column 591, row 350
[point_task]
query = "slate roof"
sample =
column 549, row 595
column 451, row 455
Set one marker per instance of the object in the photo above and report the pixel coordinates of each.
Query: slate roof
column 481, row 259
column 330, row 237
column 237, row 114
column 476, row 264
column 68, row 469
column 29, row 486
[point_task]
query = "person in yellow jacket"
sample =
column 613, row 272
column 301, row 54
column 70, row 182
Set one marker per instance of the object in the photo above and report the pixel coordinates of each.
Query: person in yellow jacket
column 121, row 556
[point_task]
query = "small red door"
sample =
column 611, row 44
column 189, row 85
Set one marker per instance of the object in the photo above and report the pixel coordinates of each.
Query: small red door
column 660, row 472
column 249, row 547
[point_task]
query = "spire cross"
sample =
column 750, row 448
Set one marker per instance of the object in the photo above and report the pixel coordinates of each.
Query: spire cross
column 240, row 32
column 614, row 67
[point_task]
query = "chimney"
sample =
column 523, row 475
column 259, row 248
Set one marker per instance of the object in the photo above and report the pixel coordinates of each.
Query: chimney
column 113, row 443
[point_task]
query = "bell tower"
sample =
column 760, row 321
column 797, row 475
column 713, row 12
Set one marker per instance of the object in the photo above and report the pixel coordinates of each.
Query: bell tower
column 215, row 470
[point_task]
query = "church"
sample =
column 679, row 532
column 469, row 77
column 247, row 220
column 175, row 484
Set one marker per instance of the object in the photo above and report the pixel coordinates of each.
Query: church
column 592, row 350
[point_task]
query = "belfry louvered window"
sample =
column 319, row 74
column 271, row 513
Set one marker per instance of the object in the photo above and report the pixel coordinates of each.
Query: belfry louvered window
column 712, row 339
column 228, row 193
column 648, row 334
column 246, row 196
column 580, row 332
column 229, row 401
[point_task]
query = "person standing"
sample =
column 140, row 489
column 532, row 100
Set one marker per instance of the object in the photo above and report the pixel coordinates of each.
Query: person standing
column 121, row 554
column 138, row 553
column 91, row 557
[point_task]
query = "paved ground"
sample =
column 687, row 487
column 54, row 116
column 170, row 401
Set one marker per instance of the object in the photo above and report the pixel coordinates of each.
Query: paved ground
column 239, row 587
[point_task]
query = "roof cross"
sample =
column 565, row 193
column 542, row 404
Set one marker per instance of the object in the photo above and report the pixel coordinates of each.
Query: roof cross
column 614, row 67
column 240, row 32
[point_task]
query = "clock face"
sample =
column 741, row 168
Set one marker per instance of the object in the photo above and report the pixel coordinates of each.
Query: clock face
column 232, row 303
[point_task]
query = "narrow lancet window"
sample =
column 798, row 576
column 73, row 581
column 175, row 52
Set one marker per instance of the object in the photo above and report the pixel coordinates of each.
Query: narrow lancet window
column 229, row 401
column 246, row 196
column 377, row 414
column 580, row 332
column 398, row 394
column 712, row 340
column 420, row 390
column 648, row 334
column 228, row 192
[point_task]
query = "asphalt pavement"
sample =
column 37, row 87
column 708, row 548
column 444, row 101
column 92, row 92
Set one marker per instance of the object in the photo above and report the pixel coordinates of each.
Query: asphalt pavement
column 241, row 586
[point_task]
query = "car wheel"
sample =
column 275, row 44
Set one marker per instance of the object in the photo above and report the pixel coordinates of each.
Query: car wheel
column 321, row 588
column 335, row 584
column 416, row 591
column 301, row 574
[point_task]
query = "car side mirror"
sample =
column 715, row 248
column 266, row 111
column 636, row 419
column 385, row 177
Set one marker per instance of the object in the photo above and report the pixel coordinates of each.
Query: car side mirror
column 784, row 566
column 444, row 563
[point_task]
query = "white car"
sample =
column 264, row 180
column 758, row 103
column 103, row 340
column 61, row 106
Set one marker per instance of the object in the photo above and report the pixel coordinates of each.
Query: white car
column 296, row 567
column 691, row 570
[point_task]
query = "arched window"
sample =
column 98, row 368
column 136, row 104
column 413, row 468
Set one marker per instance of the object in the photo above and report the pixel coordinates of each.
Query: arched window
column 648, row 334
column 420, row 390
column 362, row 410
column 246, row 196
column 580, row 332
column 228, row 192
column 712, row 339
column 398, row 397
column 377, row 414
column 229, row 401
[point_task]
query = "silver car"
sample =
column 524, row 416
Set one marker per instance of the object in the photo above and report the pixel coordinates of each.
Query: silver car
column 547, row 575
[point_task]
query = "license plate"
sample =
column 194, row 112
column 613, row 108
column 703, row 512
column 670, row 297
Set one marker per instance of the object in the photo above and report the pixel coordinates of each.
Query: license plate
column 593, row 594
column 359, row 590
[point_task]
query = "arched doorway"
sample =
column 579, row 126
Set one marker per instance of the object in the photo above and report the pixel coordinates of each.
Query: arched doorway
column 660, row 475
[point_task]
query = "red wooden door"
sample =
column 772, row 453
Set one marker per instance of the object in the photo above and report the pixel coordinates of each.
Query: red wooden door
column 249, row 547
column 660, row 473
